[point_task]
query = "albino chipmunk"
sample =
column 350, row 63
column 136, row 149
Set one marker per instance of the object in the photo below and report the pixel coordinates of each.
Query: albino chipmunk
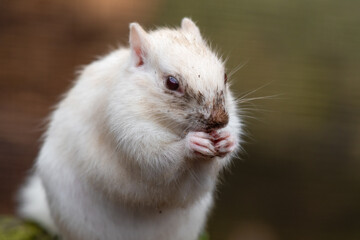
column 134, row 149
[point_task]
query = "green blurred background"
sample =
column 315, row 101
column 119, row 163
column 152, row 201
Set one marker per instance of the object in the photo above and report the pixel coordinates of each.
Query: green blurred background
column 299, row 176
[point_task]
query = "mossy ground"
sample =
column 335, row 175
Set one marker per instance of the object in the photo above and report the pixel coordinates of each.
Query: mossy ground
column 16, row 229
column 12, row 228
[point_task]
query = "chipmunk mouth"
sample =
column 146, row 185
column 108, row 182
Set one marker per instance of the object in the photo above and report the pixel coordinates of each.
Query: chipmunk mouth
column 209, row 126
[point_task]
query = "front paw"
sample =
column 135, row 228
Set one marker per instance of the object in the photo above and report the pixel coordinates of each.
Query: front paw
column 217, row 143
column 201, row 143
column 224, row 142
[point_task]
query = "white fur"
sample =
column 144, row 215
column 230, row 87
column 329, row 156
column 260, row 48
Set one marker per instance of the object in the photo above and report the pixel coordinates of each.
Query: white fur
column 119, row 160
column 36, row 207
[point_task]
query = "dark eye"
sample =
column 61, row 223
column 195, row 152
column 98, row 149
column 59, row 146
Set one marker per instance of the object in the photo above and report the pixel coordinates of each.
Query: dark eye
column 172, row 83
column 225, row 77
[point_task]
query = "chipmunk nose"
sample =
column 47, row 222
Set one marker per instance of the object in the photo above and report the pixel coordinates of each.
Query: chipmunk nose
column 219, row 118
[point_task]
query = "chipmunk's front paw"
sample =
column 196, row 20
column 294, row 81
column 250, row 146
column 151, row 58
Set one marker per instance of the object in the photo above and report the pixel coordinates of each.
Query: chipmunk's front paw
column 201, row 143
column 224, row 142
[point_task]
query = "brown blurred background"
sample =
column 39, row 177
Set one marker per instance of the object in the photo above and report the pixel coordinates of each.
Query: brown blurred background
column 299, row 177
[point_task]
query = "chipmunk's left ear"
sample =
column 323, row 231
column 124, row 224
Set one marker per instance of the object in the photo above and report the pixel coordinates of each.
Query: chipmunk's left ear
column 189, row 26
column 139, row 44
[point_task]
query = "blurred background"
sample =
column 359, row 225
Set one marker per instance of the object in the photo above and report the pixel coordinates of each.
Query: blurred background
column 299, row 176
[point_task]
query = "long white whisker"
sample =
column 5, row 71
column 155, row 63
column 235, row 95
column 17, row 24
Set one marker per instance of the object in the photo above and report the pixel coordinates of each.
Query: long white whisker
column 237, row 68
column 242, row 99
column 253, row 91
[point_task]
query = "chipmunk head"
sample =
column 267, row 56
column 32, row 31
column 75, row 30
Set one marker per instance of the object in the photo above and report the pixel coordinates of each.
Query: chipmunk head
column 186, row 80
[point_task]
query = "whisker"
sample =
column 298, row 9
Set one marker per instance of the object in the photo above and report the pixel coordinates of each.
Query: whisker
column 255, row 109
column 253, row 91
column 237, row 68
column 243, row 100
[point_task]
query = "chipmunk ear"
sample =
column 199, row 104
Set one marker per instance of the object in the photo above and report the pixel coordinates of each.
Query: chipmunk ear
column 139, row 44
column 189, row 26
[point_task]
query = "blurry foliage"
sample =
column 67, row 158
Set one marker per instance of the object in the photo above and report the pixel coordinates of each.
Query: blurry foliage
column 16, row 229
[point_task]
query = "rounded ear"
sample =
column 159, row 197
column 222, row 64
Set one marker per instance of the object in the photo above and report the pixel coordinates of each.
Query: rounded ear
column 189, row 26
column 139, row 44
